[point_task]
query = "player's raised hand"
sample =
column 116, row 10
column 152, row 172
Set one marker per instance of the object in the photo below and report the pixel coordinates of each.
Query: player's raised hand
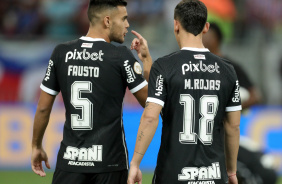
column 135, row 175
column 37, row 156
column 140, row 45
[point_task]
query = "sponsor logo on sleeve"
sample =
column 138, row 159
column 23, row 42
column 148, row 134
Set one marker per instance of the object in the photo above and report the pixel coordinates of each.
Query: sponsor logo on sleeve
column 159, row 85
column 137, row 68
column 129, row 72
column 83, row 156
column 236, row 97
column 84, row 55
column 195, row 175
column 87, row 45
column 48, row 73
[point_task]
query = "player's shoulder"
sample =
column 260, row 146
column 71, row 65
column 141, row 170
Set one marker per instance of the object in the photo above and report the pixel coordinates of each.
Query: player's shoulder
column 66, row 46
column 223, row 61
column 124, row 51
column 167, row 58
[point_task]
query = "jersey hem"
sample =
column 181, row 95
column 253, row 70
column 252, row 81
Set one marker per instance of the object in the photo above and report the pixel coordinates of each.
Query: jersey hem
column 48, row 90
column 140, row 86
column 234, row 108
column 88, row 170
column 155, row 100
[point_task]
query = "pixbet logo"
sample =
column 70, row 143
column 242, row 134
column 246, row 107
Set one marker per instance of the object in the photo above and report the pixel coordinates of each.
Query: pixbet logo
column 84, row 55
column 199, row 67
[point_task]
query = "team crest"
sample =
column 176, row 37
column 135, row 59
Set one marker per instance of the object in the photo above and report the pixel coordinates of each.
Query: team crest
column 137, row 68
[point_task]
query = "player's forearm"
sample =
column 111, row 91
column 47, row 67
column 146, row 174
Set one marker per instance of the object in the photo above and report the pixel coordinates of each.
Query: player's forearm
column 232, row 136
column 145, row 135
column 41, row 120
column 147, row 64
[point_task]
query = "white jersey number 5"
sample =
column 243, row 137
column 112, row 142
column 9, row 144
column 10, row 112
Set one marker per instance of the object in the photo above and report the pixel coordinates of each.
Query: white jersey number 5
column 208, row 110
column 83, row 122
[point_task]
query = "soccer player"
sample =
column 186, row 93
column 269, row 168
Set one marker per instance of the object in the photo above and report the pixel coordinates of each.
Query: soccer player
column 249, row 159
column 197, row 94
column 248, row 92
column 92, row 76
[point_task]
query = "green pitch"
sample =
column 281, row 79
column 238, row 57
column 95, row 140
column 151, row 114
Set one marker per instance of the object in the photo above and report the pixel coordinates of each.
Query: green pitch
column 10, row 177
column 14, row 177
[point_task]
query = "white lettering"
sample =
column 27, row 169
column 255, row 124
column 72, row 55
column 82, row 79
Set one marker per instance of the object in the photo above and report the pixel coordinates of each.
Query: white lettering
column 84, row 55
column 83, row 71
column 48, row 73
column 83, row 154
column 201, row 173
column 199, row 67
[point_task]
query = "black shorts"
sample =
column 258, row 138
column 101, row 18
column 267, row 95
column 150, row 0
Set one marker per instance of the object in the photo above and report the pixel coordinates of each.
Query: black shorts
column 62, row 177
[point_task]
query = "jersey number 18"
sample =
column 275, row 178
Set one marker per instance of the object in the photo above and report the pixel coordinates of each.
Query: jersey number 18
column 208, row 110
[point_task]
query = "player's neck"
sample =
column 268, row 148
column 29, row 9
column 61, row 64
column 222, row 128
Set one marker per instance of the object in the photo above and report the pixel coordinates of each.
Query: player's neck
column 97, row 33
column 189, row 40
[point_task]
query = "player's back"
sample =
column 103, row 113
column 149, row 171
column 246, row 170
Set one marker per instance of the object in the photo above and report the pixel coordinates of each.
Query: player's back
column 92, row 76
column 196, row 88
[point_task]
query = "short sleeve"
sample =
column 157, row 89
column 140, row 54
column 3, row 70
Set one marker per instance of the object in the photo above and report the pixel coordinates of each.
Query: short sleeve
column 234, row 102
column 132, row 71
column 50, row 81
column 157, row 85
column 242, row 76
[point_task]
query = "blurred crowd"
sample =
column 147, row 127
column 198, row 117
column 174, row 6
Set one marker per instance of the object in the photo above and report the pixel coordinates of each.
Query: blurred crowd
column 252, row 31
column 68, row 17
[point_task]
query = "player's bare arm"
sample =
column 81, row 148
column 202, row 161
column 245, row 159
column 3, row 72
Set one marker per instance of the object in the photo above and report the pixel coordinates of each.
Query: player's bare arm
column 147, row 128
column 41, row 120
column 232, row 135
column 141, row 46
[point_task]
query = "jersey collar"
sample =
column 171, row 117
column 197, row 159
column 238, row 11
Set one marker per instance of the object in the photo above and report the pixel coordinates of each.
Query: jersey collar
column 92, row 39
column 196, row 49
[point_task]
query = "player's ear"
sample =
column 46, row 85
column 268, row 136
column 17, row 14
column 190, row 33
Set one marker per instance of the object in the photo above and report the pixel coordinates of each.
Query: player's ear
column 176, row 26
column 107, row 21
column 206, row 28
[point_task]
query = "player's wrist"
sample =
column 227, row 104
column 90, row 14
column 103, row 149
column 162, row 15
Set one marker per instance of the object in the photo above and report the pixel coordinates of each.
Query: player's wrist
column 134, row 164
column 231, row 173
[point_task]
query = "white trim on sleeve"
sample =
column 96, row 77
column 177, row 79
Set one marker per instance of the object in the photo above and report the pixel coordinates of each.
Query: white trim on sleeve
column 233, row 108
column 140, row 86
column 48, row 90
column 155, row 100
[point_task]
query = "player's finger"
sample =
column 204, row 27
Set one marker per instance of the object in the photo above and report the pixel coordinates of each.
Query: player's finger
column 47, row 164
column 137, row 34
column 37, row 170
column 42, row 172
column 135, row 41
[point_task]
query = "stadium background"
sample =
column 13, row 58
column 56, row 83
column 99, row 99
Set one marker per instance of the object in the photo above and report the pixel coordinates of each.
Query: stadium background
column 30, row 29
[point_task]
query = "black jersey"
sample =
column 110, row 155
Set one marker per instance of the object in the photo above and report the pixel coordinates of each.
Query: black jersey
column 195, row 88
column 92, row 76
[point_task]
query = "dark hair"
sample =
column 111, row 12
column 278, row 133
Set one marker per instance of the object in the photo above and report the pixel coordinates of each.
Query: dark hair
column 214, row 27
column 101, row 5
column 192, row 15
